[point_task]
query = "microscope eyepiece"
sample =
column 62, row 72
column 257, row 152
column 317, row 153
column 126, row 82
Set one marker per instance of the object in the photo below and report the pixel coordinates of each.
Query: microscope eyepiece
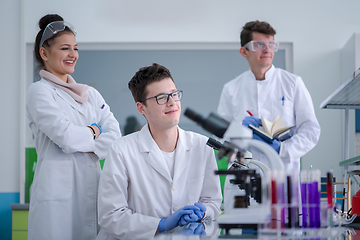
column 213, row 123
column 194, row 116
column 216, row 145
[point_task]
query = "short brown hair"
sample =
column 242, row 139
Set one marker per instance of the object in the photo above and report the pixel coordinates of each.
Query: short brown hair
column 144, row 77
column 255, row 26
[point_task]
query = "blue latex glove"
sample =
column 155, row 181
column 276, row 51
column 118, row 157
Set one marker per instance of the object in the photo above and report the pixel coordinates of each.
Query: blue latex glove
column 202, row 210
column 256, row 122
column 172, row 221
column 275, row 143
column 194, row 228
column 188, row 218
column 193, row 217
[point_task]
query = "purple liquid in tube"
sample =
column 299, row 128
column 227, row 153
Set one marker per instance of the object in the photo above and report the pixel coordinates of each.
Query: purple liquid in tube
column 314, row 204
column 281, row 200
column 305, row 213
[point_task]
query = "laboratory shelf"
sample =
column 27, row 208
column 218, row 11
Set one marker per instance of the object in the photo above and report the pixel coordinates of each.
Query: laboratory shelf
column 351, row 161
column 347, row 96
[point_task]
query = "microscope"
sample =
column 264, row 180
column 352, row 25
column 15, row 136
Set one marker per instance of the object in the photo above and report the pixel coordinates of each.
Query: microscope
column 237, row 139
column 242, row 184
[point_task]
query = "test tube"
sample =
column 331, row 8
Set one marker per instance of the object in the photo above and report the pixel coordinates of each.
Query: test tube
column 330, row 200
column 274, row 200
column 293, row 200
column 314, row 199
column 282, row 198
column 304, row 198
column 277, row 200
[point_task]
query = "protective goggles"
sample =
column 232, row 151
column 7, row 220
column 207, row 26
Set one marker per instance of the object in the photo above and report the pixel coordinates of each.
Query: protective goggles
column 262, row 45
column 53, row 28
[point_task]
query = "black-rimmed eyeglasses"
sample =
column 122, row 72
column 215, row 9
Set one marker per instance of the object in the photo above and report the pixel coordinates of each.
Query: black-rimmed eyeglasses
column 162, row 99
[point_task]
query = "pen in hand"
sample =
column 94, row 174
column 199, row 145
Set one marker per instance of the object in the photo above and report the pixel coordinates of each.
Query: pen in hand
column 252, row 115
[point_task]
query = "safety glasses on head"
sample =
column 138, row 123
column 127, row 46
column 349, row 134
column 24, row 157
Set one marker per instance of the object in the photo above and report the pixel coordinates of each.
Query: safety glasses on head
column 262, row 45
column 53, row 28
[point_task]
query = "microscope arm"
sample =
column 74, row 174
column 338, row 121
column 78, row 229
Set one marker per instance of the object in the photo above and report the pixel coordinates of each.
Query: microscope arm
column 238, row 135
column 273, row 157
column 262, row 166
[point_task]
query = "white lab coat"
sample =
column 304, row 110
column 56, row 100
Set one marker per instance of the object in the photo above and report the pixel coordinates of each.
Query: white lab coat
column 63, row 202
column 136, row 189
column 265, row 99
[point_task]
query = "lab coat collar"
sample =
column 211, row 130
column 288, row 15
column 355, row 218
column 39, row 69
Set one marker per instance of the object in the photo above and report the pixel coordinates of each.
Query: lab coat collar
column 146, row 139
column 65, row 96
column 268, row 75
column 155, row 157
column 182, row 154
column 145, row 136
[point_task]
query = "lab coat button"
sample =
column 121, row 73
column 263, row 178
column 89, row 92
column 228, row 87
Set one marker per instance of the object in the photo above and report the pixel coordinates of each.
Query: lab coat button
column 173, row 188
column 175, row 208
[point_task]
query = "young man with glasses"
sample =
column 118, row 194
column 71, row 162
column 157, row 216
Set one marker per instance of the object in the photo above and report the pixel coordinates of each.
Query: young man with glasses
column 268, row 92
column 162, row 176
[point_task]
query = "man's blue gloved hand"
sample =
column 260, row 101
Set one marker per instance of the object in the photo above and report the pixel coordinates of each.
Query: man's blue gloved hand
column 251, row 120
column 188, row 218
column 194, row 228
column 202, row 210
column 171, row 222
column 193, row 217
column 275, row 143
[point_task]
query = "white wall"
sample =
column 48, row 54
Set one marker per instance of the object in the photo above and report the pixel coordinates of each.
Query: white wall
column 318, row 30
column 10, row 37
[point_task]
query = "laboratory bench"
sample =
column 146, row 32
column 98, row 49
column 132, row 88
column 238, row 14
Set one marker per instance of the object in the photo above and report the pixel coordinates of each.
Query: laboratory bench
column 210, row 230
column 348, row 232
